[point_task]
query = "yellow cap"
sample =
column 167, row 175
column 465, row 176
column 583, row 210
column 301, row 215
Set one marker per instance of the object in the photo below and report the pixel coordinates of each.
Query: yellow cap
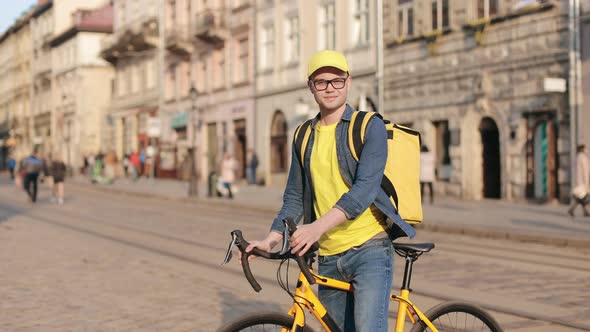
column 327, row 58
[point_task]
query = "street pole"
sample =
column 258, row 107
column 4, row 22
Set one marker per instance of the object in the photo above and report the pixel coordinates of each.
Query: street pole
column 161, row 5
column 574, row 81
column 193, row 188
column 379, row 51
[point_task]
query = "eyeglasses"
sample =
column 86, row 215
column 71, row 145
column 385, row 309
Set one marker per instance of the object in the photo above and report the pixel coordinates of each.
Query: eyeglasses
column 337, row 83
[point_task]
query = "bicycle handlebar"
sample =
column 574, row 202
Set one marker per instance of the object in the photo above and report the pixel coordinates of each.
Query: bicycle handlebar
column 242, row 244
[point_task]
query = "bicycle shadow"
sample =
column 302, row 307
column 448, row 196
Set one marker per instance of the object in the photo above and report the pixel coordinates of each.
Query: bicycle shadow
column 233, row 307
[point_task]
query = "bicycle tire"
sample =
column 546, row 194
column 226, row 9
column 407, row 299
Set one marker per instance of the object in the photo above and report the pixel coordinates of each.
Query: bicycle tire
column 458, row 316
column 269, row 321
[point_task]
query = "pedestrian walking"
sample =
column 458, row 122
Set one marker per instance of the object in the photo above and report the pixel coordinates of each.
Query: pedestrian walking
column 58, row 172
column 135, row 165
column 252, row 166
column 11, row 167
column 85, row 164
column 426, row 172
column 32, row 166
column 20, row 175
column 581, row 190
column 90, row 165
column 228, row 173
column 45, row 176
column 142, row 157
column 126, row 165
column 342, row 203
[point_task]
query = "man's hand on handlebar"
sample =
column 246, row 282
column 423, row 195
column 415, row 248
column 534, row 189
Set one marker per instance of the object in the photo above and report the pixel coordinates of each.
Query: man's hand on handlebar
column 304, row 237
column 267, row 244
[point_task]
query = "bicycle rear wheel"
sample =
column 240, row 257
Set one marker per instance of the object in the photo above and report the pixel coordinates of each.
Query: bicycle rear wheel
column 270, row 321
column 458, row 316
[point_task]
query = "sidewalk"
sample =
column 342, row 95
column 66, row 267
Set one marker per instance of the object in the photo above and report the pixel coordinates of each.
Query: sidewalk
column 547, row 224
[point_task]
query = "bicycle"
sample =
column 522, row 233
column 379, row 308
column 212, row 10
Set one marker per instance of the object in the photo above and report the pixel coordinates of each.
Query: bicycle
column 449, row 316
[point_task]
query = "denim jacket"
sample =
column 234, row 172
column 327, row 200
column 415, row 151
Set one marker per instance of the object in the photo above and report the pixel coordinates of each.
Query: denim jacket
column 362, row 177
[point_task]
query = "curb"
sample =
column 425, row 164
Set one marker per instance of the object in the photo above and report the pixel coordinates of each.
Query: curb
column 505, row 235
column 430, row 226
column 211, row 201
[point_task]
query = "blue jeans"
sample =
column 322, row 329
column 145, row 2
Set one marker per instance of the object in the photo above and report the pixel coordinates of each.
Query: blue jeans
column 369, row 267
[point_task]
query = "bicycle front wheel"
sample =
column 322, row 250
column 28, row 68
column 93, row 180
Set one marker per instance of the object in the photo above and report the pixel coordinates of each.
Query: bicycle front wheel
column 270, row 321
column 458, row 316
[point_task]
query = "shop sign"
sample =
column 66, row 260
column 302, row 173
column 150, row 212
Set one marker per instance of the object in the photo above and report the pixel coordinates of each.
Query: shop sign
column 154, row 127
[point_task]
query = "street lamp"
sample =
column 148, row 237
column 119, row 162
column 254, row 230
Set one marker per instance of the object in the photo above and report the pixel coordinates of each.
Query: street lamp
column 193, row 189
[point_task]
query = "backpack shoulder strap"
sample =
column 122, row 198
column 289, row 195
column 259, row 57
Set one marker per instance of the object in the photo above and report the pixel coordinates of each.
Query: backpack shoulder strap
column 357, row 130
column 301, row 139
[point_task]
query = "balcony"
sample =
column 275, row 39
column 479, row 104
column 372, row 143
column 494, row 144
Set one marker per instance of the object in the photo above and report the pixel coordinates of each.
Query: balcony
column 138, row 35
column 178, row 40
column 210, row 26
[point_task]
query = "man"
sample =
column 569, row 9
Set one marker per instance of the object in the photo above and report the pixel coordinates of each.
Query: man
column 11, row 167
column 342, row 203
column 32, row 166
column 58, row 172
column 426, row 172
column 581, row 191
column 229, row 166
column 252, row 165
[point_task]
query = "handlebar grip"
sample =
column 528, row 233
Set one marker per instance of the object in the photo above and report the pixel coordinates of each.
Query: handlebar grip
column 248, row 272
column 300, row 259
column 305, row 269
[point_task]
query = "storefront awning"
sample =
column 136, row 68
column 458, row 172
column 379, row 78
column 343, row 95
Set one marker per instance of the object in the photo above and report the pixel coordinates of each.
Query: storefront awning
column 179, row 120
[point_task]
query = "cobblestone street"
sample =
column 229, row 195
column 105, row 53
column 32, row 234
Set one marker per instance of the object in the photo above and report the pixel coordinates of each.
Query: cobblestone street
column 110, row 262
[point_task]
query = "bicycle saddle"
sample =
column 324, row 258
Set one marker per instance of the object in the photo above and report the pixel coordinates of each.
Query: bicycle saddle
column 410, row 248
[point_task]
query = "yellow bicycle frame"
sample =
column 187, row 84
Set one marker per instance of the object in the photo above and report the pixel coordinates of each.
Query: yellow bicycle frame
column 306, row 298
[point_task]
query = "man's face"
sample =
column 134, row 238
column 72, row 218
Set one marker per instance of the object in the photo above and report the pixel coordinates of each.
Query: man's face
column 329, row 87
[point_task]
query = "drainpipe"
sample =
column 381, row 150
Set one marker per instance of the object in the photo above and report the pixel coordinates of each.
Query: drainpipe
column 574, row 81
column 161, row 5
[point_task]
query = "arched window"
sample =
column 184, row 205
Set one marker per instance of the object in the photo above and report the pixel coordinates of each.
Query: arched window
column 278, row 143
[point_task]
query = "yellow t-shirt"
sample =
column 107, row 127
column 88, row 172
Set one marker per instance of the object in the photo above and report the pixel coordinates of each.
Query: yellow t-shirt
column 329, row 186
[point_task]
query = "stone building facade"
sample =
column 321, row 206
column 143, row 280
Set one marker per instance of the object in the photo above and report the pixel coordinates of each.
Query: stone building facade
column 485, row 84
column 222, row 65
column 81, row 85
column 15, row 110
column 132, row 50
column 288, row 34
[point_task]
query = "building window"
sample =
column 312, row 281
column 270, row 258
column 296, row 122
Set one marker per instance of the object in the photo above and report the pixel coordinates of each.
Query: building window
column 202, row 73
column 220, row 70
column 405, row 18
column 361, row 24
column 242, row 60
column 121, row 83
column 134, row 78
column 440, row 14
column 150, row 74
column 327, row 27
column 292, row 34
column 268, row 44
column 172, row 12
column 442, row 151
column 171, row 82
column 278, row 143
column 486, row 8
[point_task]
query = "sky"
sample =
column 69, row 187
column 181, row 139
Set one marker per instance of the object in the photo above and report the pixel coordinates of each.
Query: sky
column 10, row 10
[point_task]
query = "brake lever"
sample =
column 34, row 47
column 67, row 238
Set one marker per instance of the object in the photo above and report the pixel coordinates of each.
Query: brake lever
column 229, row 254
column 285, row 247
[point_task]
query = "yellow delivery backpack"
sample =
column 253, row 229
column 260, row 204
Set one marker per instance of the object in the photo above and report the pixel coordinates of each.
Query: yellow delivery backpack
column 401, row 178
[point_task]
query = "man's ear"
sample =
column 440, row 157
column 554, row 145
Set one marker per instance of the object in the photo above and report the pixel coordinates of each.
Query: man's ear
column 310, row 85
